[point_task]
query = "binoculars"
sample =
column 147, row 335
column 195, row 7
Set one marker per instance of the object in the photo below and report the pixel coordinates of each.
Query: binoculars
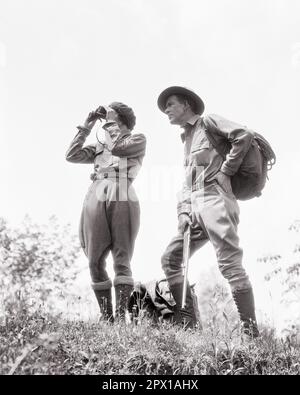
column 98, row 114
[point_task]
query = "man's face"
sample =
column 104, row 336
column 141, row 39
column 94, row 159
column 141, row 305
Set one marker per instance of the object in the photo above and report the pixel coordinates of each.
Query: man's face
column 175, row 110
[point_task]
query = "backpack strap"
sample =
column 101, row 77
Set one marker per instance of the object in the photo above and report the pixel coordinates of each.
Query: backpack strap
column 223, row 148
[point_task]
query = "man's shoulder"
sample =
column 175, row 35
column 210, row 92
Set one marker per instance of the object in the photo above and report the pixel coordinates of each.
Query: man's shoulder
column 218, row 124
column 214, row 119
column 212, row 123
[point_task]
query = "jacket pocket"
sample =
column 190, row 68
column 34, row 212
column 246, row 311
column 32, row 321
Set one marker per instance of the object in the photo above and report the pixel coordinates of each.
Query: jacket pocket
column 200, row 154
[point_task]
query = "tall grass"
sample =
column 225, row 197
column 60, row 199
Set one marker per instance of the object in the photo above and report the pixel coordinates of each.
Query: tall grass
column 40, row 343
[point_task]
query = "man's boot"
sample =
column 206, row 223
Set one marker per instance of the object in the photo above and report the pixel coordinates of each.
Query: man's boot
column 244, row 301
column 105, row 304
column 123, row 292
column 186, row 316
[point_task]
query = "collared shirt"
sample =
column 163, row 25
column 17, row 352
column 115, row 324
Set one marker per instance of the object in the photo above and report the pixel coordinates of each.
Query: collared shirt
column 200, row 157
column 123, row 153
column 202, row 161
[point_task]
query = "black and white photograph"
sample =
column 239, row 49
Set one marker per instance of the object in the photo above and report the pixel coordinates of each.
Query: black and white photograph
column 149, row 205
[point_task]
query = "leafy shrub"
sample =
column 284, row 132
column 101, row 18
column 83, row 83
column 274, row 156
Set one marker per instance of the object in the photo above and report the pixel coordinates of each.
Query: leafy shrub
column 38, row 262
column 284, row 272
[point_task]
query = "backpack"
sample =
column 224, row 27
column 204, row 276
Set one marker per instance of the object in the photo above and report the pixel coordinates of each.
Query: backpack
column 154, row 299
column 250, row 179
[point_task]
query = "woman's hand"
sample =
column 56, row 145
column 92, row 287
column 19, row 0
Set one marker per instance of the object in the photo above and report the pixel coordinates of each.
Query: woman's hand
column 111, row 114
column 91, row 120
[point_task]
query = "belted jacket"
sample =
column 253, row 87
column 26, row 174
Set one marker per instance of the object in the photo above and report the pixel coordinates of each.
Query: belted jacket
column 211, row 144
column 122, row 155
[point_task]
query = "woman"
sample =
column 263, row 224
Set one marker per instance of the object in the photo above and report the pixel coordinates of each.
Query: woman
column 110, row 214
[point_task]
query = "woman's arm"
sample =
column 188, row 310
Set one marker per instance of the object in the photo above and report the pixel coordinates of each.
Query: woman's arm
column 76, row 152
column 128, row 145
column 79, row 154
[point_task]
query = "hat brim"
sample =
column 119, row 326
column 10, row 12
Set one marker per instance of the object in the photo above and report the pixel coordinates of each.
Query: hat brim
column 180, row 90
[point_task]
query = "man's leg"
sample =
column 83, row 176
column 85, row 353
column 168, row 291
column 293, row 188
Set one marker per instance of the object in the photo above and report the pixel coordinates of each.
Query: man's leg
column 218, row 212
column 172, row 267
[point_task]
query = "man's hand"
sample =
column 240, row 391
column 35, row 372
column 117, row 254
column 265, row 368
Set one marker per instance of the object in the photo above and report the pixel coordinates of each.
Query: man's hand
column 224, row 181
column 183, row 220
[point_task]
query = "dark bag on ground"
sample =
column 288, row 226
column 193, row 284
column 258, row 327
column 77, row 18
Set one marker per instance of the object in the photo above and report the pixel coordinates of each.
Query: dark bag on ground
column 154, row 300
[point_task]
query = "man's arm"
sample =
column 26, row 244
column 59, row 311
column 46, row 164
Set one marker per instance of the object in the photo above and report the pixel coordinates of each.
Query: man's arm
column 76, row 152
column 239, row 136
column 129, row 146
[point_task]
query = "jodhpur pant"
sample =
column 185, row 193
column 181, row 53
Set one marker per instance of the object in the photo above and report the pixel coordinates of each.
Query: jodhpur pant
column 215, row 218
column 109, row 224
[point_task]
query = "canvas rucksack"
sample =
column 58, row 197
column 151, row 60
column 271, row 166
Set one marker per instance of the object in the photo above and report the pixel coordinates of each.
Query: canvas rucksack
column 250, row 179
column 154, row 299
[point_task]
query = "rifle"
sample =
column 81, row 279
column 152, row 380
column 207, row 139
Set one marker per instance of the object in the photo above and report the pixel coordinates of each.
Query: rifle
column 185, row 262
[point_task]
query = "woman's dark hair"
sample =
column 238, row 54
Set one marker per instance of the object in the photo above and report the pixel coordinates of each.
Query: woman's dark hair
column 125, row 113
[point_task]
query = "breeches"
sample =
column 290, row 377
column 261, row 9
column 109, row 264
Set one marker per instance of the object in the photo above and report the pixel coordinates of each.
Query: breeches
column 215, row 216
column 109, row 224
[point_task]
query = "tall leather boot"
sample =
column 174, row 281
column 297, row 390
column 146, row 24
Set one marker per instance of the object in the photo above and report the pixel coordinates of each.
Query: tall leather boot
column 244, row 300
column 122, row 292
column 105, row 304
column 186, row 316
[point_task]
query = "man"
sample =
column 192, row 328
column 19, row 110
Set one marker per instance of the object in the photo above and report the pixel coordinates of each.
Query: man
column 207, row 202
column 111, row 213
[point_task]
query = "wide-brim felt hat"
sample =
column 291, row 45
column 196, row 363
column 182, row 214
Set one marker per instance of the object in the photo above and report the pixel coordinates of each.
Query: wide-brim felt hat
column 180, row 90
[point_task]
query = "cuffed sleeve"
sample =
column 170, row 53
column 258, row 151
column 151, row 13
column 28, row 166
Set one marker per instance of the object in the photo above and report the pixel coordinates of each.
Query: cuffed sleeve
column 239, row 137
column 76, row 152
column 125, row 145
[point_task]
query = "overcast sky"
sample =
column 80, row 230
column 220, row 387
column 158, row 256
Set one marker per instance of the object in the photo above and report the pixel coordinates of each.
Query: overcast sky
column 59, row 59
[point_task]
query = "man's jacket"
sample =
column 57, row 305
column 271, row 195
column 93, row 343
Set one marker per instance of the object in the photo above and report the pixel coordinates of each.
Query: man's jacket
column 202, row 160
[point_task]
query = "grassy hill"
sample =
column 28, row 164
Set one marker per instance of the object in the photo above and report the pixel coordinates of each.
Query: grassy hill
column 42, row 344
column 37, row 274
